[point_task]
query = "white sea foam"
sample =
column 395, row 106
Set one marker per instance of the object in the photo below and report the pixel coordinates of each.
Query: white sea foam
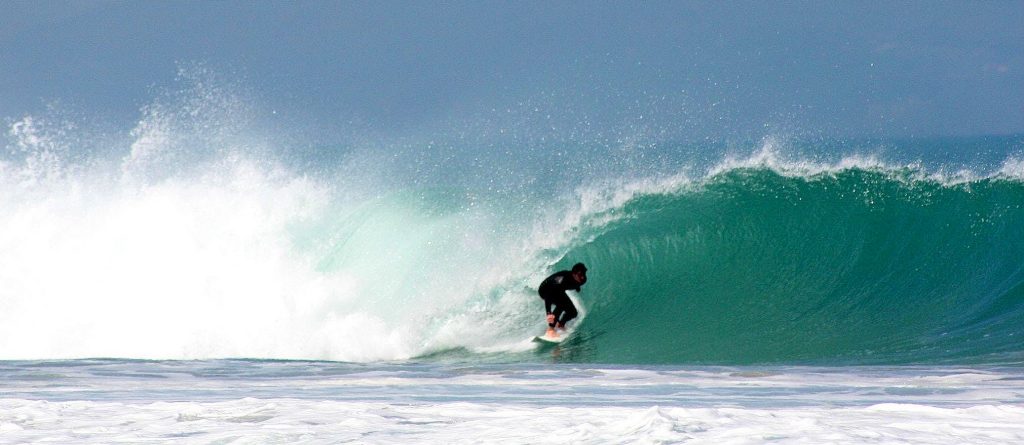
column 1012, row 168
column 192, row 252
column 292, row 421
column 197, row 402
column 209, row 266
column 772, row 154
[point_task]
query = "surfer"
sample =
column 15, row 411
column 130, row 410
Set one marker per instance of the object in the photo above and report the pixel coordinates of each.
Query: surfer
column 557, row 304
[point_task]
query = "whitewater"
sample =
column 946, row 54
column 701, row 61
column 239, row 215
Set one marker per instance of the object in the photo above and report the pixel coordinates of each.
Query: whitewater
column 198, row 278
column 117, row 401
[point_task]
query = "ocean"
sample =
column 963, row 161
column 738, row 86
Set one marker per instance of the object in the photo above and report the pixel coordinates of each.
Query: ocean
column 542, row 400
column 199, row 278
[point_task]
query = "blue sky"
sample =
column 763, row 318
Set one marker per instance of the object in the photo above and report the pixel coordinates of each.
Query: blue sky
column 711, row 69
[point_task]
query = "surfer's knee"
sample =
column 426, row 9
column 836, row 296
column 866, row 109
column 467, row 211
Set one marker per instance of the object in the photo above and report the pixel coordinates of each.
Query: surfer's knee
column 570, row 313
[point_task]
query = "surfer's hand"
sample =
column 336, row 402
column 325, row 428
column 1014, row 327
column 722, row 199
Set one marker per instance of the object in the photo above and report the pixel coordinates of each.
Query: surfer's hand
column 551, row 318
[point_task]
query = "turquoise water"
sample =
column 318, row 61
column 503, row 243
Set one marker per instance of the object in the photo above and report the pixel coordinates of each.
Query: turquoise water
column 857, row 265
column 195, row 281
column 192, row 238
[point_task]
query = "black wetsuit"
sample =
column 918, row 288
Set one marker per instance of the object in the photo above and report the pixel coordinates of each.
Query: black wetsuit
column 556, row 302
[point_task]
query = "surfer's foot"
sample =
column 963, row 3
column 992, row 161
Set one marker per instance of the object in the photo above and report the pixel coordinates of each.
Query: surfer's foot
column 551, row 333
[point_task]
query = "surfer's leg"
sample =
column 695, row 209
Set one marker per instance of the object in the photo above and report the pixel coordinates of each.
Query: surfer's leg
column 549, row 309
column 553, row 308
column 558, row 312
column 570, row 312
column 566, row 311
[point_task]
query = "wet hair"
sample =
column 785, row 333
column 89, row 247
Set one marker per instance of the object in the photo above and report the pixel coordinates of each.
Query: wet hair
column 579, row 267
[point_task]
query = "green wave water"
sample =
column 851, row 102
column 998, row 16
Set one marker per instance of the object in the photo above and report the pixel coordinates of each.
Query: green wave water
column 859, row 265
column 190, row 240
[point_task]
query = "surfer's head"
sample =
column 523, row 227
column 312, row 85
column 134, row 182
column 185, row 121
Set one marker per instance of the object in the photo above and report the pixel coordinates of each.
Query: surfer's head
column 579, row 273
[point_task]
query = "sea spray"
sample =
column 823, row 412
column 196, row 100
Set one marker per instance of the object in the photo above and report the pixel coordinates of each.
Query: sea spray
column 197, row 234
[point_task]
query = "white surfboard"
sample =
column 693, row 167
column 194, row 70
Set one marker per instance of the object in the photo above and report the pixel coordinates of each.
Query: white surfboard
column 552, row 340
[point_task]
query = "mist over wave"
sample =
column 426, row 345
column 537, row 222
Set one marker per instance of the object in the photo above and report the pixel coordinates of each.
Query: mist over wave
column 199, row 233
column 195, row 235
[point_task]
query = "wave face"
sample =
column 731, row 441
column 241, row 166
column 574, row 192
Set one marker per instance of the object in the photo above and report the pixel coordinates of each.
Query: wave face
column 854, row 265
column 204, row 232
